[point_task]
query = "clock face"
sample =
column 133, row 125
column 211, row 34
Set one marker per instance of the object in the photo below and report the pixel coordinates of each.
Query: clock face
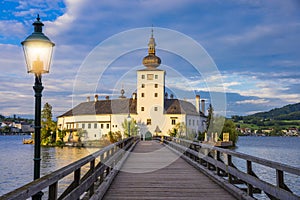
column 149, row 76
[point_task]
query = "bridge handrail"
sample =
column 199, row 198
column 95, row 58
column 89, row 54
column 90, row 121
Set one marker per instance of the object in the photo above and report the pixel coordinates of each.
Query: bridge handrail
column 262, row 161
column 192, row 149
column 109, row 157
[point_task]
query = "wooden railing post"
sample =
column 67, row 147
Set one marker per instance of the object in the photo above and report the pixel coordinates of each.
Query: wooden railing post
column 114, row 150
column 193, row 147
column 250, row 172
column 53, row 191
column 218, row 159
column 92, row 168
column 280, row 180
column 107, row 155
column 102, row 162
column 77, row 176
column 229, row 160
column 209, row 165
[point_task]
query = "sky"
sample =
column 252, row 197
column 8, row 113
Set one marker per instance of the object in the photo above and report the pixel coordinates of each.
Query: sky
column 254, row 45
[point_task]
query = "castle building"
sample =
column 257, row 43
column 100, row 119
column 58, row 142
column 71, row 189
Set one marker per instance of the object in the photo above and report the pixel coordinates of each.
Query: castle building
column 151, row 107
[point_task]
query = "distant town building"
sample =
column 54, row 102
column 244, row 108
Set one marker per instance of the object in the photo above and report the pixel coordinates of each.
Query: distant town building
column 291, row 132
column 16, row 127
column 151, row 107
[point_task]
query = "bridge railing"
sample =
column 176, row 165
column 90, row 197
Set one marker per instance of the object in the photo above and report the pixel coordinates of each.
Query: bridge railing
column 101, row 166
column 220, row 162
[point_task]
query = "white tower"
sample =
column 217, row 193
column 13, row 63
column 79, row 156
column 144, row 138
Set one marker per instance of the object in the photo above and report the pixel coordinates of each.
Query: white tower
column 151, row 90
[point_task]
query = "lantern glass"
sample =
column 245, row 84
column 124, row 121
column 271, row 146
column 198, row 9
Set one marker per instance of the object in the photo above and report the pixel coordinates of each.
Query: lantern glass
column 128, row 118
column 38, row 55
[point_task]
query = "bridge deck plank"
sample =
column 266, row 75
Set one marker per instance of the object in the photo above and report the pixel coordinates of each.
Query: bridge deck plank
column 154, row 172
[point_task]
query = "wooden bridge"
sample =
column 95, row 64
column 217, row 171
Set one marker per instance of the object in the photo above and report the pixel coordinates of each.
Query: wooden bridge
column 170, row 168
column 166, row 176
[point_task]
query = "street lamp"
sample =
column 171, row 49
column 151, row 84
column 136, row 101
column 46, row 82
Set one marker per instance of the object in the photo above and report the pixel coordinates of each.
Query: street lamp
column 38, row 50
column 128, row 121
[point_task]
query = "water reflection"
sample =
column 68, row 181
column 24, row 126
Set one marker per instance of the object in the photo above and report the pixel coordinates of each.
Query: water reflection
column 54, row 158
column 16, row 161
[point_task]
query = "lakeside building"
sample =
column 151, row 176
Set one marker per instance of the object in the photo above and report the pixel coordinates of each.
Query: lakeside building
column 150, row 106
column 11, row 127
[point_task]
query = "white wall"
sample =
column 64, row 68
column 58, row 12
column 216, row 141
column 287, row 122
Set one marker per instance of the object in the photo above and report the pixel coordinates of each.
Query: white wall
column 150, row 96
column 94, row 125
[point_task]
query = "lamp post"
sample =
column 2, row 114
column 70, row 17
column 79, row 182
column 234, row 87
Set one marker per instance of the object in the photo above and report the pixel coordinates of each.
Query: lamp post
column 38, row 50
column 128, row 121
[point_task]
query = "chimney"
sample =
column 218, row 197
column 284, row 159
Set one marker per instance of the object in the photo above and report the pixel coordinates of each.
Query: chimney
column 198, row 103
column 88, row 99
column 203, row 106
column 134, row 96
column 107, row 97
column 166, row 95
column 96, row 97
column 171, row 96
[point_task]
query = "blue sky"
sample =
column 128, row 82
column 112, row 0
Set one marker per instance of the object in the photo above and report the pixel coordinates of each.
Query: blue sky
column 254, row 43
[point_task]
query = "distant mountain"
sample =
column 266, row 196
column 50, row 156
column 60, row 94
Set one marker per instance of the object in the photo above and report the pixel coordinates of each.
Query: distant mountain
column 288, row 112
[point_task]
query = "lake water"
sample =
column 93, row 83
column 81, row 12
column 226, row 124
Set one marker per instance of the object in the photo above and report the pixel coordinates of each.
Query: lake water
column 279, row 149
column 16, row 159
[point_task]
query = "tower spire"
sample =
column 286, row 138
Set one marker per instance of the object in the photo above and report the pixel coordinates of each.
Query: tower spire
column 152, row 31
column 151, row 44
column 151, row 61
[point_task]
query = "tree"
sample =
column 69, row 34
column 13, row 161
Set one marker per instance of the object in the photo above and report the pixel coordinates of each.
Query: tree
column 181, row 128
column 133, row 127
column 210, row 118
column 81, row 133
column 259, row 131
column 61, row 134
column 214, row 124
column 201, row 136
column 6, row 129
column 114, row 136
column 276, row 130
column 48, row 125
column 229, row 127
column 177, row 130
column 173, row 132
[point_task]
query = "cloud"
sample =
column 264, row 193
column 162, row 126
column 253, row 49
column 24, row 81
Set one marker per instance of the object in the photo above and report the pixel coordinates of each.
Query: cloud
column 254, row 43
column 253, row 101
column 229, row 84
column 31, row 8
column 7, row 27
column 252, row 35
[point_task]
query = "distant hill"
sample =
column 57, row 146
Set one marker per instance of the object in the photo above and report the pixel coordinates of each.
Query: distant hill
column 15, row 119
column 276, row 119
column 288, row 112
